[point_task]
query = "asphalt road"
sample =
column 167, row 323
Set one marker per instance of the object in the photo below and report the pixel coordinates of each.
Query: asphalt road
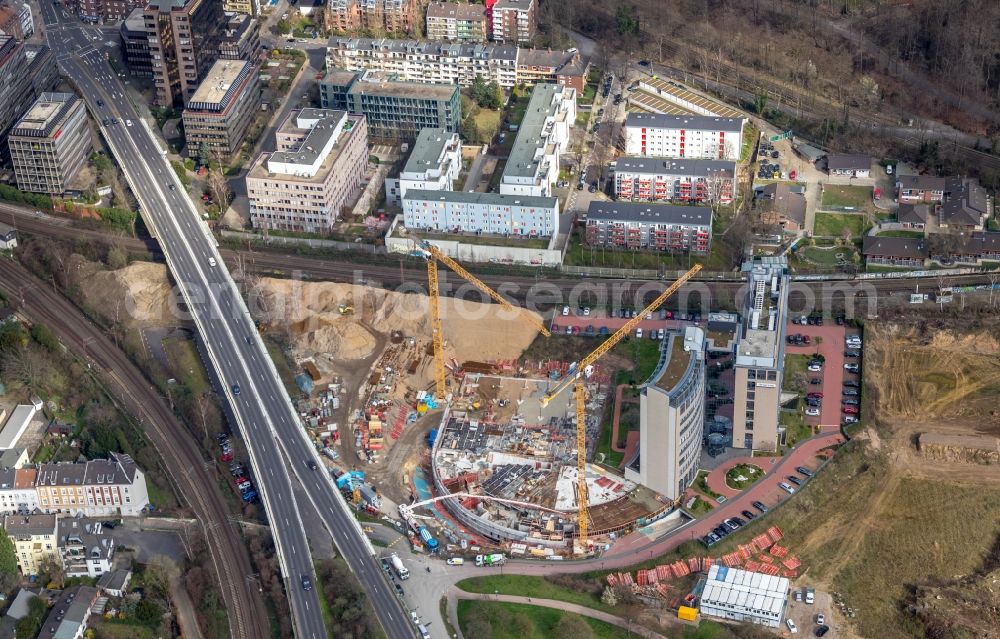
column 181, row 456
column 255, row 398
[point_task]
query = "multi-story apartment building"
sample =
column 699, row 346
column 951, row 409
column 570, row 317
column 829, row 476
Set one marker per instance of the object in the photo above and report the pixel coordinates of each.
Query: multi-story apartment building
column 659, row 227
column 16, row 88
column 96, row 488
column 50, row 143
column 70, row 614
column 656, row 179
column 375, row 16
column 135, row 44
column 456, row 21
column 436, row 62
column 16, row 19
column 34, row 538
column 533, row 165
column 471, row 212
column 316, row 172
column 246, row 7
column 106, row 10
column 241, row 39
column 184, row 38
column 17, row 491
column 434, row 165
column 84, row 549
column 672, row 416
column 760, row 355
column 683, row 136
column 223, row 108
column 514, row 20
column 395, row 109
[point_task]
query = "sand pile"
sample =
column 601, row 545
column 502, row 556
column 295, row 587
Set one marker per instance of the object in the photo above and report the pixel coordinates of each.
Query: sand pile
column 138, row 295
column 472, row 330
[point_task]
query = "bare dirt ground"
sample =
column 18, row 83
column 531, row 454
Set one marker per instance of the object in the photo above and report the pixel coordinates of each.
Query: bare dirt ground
column 138, row 295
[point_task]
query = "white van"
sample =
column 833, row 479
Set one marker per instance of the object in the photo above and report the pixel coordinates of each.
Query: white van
column 792, row 628
column 456, row 561
column 423, row 632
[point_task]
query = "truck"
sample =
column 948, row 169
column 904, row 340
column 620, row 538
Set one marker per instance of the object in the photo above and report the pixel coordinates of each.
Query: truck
column 397, row 565
column 429, row 541
column 491, row 560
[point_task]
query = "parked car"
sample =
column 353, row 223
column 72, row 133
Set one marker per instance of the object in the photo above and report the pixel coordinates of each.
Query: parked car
column 850, row 410
column 852, row 383
column 852, row 353
column 760, row 506
column 788, row 489
column 821, row 630
column 850, row 401
column 815, row 368
column 820, row 619
column 812, row 411
column 815, row 381
column 795, row 480
column 802, row 470
column 792, row 628
column 850, row 392
column 815, row 394
column 850, row 419
column 852, row 368
column 731, row 524
column 749, row 515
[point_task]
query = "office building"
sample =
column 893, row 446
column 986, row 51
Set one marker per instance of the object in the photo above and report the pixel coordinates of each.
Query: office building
column 395, row 109
column 84, row 548
column 683, row 136
column 471, row 212
column 17, row 491
column 96, row 488
column 533, row 165
column 42, row 70
column 744, row 596
column 672, row 416
column 16, row 88
column 760, row 355
column 34, row 538
column 658, row 227
column 70, row 614
column 657, row 179
column 184, row 38
column 50, row 143
column 135, row 44
column 241, row 39
column 222, row 109
column 245, row 7
column 94, row 11
column 514, row 20
column 437, row 62
column 434, row 165
column 314, row 175
column 456, row 21
column 16, row 19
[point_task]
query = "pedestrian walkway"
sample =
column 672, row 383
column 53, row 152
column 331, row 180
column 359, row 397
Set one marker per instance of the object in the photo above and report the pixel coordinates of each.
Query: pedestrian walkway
column 455, row 593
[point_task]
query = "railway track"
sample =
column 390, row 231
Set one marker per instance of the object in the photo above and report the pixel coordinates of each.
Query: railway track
column 185, row 462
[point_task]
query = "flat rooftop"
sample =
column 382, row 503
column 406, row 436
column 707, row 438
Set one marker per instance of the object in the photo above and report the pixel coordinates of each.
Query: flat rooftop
column 691, row 122
column 676, row 365
column 650, row 213
column 219, row 85
column 473, row 197
column 531, row 134
column 427, row 150
column 45, row 114
column 339, row 77
column 387, row 85
column 315, row 141
column 665, row 166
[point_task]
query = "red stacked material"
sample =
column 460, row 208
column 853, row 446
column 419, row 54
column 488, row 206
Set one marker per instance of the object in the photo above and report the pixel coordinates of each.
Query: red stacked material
column 663, row 589
column 792, row 563
column 778, row 551
column 770, row 570
column 791, row 574
column 612, row 580
column 663, row 572
column 766, row 558
column 694, row 564
column 775, row 534
column 746, row 551
column 680, row 568
column 752, row 566
column 763, row 542
column 706, row 563
column 604, row 482
column 626, row 578
column 732, row 560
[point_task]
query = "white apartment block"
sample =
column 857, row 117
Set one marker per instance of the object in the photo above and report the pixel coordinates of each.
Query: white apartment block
column 429, row 62
column 97, row 488
column 316, row 172
column 434, row 165
column 683, row 136
column 84, row 549
column 672, row 417
column 533, row 165
column 471, row 212
column 674, row 180
column 17, row 491
column 661, row 227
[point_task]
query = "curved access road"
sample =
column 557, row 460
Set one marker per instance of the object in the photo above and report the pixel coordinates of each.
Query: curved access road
column 181, row 456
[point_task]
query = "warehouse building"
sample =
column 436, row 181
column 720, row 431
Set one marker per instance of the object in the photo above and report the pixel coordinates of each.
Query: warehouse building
column 50, row 143
column 741, row 595
column 471, row 212
column 683, row 136
column 658, row 179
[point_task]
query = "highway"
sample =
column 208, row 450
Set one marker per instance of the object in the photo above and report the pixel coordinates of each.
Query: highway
column 254, row 396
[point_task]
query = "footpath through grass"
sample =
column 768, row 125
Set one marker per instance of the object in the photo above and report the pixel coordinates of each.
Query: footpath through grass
column 537, row 587
column 500, row 620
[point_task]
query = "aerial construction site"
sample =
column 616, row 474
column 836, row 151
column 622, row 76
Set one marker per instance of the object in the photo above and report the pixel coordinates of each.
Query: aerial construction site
column 450, row 428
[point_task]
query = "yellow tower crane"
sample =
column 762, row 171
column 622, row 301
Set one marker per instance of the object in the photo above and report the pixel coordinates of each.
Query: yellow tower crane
column 574, row 379
column 434, row 255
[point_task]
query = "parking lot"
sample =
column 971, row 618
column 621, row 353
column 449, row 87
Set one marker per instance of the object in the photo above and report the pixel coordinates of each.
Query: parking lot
column 831, row 346
column 804, row 615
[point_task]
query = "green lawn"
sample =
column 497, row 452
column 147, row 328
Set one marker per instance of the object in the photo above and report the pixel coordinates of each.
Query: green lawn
column 841, row 196
column 795, row 425
column 795, row 364
column 750, row 471
column 528, row 586
column 644, row 353
column 749, row 139
column 833, row 224
column 498, row 620
column 824, row 257
column 700, row 506
column 487, row 121
column 185, row 365
column 901, row 233
column 581, row 118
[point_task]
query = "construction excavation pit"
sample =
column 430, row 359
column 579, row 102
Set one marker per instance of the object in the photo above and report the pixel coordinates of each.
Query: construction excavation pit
column 512, row 465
